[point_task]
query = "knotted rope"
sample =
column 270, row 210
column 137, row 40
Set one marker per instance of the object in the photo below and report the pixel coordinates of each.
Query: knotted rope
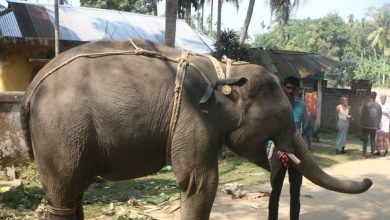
column 45, row 208
column 180, row 74
column 229, row 63
column 218, row 68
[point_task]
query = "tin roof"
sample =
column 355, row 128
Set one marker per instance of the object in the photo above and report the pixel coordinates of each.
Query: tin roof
column 32, row 20
column 300, row 64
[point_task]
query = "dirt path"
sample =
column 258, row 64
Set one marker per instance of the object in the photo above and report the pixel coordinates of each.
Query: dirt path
column 316, row 203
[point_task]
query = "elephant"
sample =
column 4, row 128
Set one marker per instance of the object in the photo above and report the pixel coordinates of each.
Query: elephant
column 105, row 109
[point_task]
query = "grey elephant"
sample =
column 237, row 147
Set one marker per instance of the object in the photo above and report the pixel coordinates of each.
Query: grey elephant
column 112, row 109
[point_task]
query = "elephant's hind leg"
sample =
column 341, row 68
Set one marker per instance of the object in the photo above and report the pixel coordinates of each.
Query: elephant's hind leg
column 64, row 185
column 64, row 200
column 46, row 211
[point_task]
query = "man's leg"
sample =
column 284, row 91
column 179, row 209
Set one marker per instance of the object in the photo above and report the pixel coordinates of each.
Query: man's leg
column 372, row 141
column 365, row 141
column 295, row 179
column 277, row 176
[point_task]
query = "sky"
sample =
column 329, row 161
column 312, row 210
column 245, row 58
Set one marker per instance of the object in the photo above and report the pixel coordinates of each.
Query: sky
column 233, row 19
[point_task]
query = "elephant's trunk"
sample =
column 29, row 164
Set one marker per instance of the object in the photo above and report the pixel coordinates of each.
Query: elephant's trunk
column 315, row 174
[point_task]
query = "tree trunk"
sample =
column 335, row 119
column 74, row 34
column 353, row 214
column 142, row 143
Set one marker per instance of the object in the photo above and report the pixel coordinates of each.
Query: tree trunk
column 187, row 11
column 170, row 22
column 56, row 28
column 211, row 15
column 202, row 18
column 219, row 18
column 155, row 10
column 247, row 21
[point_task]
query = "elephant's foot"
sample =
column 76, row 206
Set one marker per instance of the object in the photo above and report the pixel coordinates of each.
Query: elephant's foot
column 47, row 212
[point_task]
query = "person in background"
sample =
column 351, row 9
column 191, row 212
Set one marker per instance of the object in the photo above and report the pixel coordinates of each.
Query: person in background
column 382, row 139
column 370, row 118
column 311, row 112
column 280, row 160
column 342, row 124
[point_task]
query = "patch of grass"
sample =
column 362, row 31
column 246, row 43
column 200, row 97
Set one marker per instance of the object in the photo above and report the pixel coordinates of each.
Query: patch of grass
column 325, row 151
column 124, row 199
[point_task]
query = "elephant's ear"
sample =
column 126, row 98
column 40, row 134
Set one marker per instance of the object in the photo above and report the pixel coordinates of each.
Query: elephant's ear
column 226, row 89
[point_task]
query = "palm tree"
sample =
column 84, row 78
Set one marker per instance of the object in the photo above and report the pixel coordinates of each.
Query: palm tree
column 211, row 14
column 185, row 8
column 170, row 22
column 155, row 3
column 219, row 20
column 380, row 37
column 281, row 8
column 247, row 21
column 56, row 28
column 57, row 25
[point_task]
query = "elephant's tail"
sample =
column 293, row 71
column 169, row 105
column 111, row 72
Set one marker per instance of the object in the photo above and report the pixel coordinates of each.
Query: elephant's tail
column 25, row 123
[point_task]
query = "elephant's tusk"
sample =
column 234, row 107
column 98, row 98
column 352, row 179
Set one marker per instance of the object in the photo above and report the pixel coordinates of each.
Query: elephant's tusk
column 293, row 158
column 271, row 151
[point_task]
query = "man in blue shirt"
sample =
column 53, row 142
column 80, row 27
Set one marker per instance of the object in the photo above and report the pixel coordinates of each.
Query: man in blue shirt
column 279, row 161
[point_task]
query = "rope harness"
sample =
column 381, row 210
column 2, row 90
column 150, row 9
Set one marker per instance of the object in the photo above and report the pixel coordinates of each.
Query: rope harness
column 44, row 208
column 180, row 74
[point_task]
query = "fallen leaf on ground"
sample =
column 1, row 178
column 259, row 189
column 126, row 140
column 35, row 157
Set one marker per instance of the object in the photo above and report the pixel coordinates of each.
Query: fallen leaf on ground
column 132, row 202
column 308, row 196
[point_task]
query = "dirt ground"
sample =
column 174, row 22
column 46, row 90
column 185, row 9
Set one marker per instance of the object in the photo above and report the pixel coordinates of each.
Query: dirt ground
column 316, row 203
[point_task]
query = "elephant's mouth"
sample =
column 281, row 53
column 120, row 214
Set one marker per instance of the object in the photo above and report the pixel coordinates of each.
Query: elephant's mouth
column 292, row 156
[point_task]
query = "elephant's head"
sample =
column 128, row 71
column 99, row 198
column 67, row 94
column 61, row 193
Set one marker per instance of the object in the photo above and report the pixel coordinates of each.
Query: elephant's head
column 252, row 109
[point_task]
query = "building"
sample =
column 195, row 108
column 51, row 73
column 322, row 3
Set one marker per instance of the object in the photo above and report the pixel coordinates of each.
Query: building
column 309, row 67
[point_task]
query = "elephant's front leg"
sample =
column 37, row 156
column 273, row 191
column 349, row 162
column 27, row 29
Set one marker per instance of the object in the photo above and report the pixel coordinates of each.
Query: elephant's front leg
column 198, row 187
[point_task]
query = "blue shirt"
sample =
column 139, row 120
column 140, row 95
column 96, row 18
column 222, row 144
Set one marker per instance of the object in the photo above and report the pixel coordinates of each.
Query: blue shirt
column 299, row 112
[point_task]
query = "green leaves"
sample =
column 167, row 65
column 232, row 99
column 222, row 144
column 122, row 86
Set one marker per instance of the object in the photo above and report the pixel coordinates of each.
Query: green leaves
column 136, row 6
column 362, row 46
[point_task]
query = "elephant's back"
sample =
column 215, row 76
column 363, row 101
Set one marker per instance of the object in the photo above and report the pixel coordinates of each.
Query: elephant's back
column 97, row 50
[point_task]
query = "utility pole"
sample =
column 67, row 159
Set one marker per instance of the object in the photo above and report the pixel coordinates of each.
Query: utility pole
column 56, row 28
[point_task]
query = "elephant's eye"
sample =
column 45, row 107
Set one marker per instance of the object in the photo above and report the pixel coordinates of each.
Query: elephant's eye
column 278, row 115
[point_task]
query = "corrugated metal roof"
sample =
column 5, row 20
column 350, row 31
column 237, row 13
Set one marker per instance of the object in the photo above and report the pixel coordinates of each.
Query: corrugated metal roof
column 91, row 24
column 8, row 24
column 299, row 64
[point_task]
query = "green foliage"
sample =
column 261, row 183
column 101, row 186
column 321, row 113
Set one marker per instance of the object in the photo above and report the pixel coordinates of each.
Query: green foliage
column 136, row 6
column 228, row 44
column 359, row 45
column 380, row 37
column 326, row 36
column 374, row 68
column 345, row 74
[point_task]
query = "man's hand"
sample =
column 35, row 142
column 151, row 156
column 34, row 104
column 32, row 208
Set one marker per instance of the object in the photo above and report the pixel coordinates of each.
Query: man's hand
column 283, row 158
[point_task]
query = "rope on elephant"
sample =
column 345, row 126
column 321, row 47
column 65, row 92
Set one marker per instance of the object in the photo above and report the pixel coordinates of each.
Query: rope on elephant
column 43, row 208
column 180, row 74
column 229, row 63
column 217, row 66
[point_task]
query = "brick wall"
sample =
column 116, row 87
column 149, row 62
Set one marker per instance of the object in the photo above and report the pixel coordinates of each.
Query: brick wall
column 357, row 95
